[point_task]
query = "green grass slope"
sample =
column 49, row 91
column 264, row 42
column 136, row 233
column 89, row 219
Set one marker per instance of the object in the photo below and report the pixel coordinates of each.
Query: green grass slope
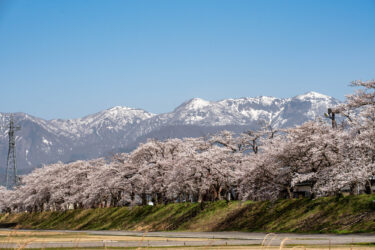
column 349, row 214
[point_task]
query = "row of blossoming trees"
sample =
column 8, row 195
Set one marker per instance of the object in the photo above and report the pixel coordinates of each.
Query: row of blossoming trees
column 262, row 165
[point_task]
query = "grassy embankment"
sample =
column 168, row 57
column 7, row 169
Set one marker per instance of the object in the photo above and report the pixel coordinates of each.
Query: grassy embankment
column 349, row 214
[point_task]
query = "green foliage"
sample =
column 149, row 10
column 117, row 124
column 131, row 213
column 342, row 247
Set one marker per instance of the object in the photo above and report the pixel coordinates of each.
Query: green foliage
column 349, row 214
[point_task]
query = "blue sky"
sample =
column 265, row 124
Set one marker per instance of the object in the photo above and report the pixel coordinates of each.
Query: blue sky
column 67, row 59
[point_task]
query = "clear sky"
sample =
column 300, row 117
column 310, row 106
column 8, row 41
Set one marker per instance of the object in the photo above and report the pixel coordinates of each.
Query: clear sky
column 67, row 59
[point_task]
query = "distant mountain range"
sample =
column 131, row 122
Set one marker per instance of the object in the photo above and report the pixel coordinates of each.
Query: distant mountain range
column 121, row 129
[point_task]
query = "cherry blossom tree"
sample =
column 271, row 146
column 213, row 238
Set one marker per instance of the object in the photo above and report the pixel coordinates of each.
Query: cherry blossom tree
column 255, row 165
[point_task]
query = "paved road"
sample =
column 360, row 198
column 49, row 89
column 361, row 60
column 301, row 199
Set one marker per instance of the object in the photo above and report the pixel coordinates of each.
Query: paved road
column 201, row 239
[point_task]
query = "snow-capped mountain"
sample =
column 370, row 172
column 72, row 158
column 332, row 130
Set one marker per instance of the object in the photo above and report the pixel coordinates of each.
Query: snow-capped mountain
column 121, row 128
column 281, row 112
column 47, row 141
column 111, row 120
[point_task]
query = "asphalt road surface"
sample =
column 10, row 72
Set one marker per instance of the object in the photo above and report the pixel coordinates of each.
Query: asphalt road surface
column 142, row 239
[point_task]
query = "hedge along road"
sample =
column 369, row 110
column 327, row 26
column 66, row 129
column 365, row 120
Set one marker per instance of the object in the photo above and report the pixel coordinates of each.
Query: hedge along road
column 72, row 238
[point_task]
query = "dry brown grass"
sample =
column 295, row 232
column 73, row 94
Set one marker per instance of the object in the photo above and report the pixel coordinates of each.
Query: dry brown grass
column 269, row 248
column 23, row 238
column 13, row 236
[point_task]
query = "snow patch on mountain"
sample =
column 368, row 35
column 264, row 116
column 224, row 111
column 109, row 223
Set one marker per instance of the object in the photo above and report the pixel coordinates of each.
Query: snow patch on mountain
column 312, row 96
column 115, row 119
column 197, row 103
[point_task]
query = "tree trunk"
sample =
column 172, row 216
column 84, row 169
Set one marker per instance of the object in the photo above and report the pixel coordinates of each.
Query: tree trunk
column 200, row 198
column 369, row 184
column 144, row 199
column 219, row 193
column 289, row 192
column 214, row 194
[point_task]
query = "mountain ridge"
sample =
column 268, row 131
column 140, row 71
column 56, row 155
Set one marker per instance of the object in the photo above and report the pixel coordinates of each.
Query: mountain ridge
column 122, row 128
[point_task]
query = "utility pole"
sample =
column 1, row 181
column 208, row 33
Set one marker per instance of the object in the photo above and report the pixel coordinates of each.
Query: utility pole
column 11, row 171
column 331, row 116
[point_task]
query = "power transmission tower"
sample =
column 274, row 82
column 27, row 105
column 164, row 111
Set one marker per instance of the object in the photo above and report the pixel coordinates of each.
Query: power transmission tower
column 11, row 171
